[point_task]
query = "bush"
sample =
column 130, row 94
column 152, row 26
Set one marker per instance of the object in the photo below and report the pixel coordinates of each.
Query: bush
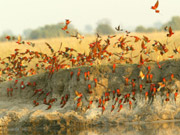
column 104, row 29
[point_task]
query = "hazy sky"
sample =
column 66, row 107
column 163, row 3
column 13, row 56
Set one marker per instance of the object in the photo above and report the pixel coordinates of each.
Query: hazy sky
column 18, row 15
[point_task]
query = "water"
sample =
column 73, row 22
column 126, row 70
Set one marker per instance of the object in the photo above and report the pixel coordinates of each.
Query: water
column 155, row 128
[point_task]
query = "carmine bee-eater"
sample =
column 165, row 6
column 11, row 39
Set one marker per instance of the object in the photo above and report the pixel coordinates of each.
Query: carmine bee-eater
column 175, row 95
column 112, row 108
column 22, row 85
column 172, row 76
column 85, row 76
column 146, row 95
column 78, row 74
column 120, row 107
column 140, row 88
column 95, row 80
column 147, row 78
column 103, row 109
column 151, row 77
column 130, row 105
column 71, row 74
column 126, row 81
column 114, row 67
column 167, row 96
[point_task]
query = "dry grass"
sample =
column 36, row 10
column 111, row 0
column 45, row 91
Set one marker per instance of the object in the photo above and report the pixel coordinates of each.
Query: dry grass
column 7, row 48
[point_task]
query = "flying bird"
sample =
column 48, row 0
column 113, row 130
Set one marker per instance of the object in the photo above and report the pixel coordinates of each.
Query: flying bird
column 118, row 28
column 156, row 6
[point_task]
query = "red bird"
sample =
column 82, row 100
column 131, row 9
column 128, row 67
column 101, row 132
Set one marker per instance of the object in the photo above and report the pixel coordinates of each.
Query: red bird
column 120, row 101
column 146, row 39
column 35, row 103
column 100, row 102
column 116, row 100
column 66, row 97
column 113, row 94
column 22, row 86
column 130, row 105
column 88, row 74
column 118, row 92
column 146, row 95
column 147, row 78
column 167, row 96
column 64, row 28
column 49, row 107
column 120, row 107
column 103, row 109
column 67, row 21
column 114, row 66
column 16, row 81
column 170, row 32
column 78, row 74
column 151, row 76
column 149, row 69
column 8, row 37
column 175, row 95
column 85, row 76
column 95, row 80
column 155, row 7
column 126, row 81
column 172, row 76
column 71, row 74
column 133, row 94
column 164, row 79
column 89, row 88
column 90, row 103
column 140, row 88
column 112, row 108
column 160, row 66
column 11, row 91
column 136, row 38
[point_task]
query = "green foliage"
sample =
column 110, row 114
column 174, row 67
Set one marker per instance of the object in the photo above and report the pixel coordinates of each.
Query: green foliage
column 145, row 30
column 151, row 29
column 6, row 33
column 104, row 29
column 174, row 23
column 140, row 29
column 50, row 31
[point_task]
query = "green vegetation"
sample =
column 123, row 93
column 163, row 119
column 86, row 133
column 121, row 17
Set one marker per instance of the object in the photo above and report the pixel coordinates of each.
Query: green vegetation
column 48, row 31
column 174, row 23
column 105, row 29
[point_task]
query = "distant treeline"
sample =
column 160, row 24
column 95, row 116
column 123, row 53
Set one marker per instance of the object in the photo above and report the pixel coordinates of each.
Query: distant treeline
column 104, row 28
column 174, row 23
column 48, row 31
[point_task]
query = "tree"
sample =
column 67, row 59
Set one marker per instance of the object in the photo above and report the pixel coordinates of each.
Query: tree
column 6, row 33
column 105, row 29
column 151, row 29
column 158, row 25
column 26, row 33
column 88, row 28
column 140, row 29
column 174, row 23
column 50, row 31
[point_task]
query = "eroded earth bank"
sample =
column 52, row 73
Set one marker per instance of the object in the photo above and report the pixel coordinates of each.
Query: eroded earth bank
column 24, row 107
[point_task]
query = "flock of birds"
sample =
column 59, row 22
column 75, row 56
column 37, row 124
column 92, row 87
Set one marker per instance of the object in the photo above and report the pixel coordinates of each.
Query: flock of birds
column 115, row 96
column 16, row 66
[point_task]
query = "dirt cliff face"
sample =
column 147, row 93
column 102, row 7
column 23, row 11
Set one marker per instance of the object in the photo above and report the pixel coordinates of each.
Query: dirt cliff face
column 20, row 109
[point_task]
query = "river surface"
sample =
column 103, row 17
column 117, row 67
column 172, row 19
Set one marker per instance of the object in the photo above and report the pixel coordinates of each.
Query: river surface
column 155, row 128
